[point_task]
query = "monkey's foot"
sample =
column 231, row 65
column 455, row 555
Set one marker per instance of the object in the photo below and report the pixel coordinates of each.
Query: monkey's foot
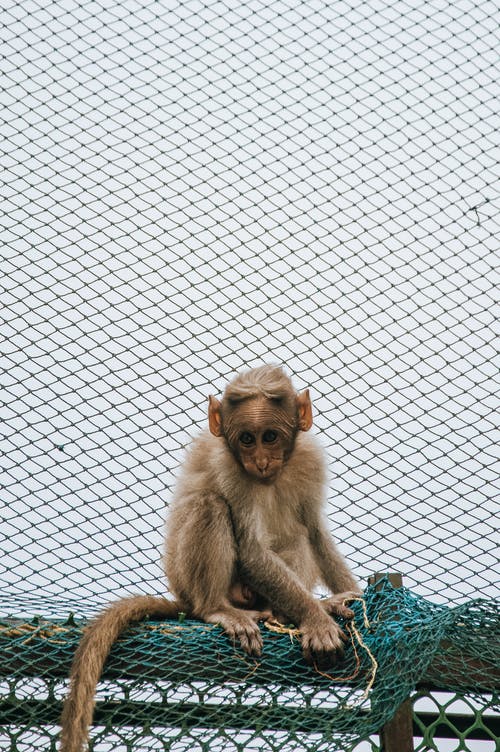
column 322, row 641
column 335, row 605
column 240, row 626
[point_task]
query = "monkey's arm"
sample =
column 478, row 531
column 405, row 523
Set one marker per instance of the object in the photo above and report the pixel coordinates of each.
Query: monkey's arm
column 322, row 638
column 335, row 572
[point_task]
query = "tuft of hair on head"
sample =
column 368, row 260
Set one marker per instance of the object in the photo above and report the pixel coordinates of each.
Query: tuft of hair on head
column 269, row 381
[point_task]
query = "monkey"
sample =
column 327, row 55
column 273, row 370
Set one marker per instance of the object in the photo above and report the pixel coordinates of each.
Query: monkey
column 246, row 539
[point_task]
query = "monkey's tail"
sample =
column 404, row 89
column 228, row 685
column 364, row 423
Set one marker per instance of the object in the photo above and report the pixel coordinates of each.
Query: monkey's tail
column 91, row 655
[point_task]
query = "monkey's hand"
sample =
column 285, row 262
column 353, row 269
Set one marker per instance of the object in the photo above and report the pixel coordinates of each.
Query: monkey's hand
column 240, row 626
column 322, row 640
column 335, row 605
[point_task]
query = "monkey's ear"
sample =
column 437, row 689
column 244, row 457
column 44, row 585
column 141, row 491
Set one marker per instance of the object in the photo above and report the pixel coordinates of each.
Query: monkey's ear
column 214, row 416
column 304, row 407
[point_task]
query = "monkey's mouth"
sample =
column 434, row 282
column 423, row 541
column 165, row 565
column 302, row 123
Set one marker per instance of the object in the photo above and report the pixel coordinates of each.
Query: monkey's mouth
column 263, row 476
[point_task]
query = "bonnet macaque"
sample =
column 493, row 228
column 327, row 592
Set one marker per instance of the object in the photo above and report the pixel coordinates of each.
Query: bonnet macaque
column 246, row 538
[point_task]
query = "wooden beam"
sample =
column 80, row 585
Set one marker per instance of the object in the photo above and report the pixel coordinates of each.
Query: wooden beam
column 397, row 734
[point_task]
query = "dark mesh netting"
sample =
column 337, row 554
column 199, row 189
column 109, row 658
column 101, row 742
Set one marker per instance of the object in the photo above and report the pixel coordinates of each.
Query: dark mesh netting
column 193, row 188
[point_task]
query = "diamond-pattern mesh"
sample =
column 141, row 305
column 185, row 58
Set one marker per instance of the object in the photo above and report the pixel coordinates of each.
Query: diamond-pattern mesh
column 193, row 188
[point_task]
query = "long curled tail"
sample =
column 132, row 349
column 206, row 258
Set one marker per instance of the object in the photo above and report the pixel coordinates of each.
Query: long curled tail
column 91, row 655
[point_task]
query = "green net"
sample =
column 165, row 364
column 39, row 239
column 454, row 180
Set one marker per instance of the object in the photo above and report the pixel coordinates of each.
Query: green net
column 191, row 188
column 183, row 681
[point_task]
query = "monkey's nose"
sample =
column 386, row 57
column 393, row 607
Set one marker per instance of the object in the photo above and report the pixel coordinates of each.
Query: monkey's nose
column 262, row 465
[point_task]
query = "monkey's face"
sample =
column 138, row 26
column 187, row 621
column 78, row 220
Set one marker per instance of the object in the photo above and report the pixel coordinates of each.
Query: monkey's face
column 261, row 434
column 261, row 453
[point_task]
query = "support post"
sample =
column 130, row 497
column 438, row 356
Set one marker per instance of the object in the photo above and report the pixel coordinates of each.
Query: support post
column 397, row 734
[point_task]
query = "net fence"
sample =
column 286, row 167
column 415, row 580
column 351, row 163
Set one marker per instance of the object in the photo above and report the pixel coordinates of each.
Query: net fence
column 193, row 188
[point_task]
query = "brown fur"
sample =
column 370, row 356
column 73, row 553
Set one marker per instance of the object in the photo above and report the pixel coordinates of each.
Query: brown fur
column 90, row 657
column 245, row 535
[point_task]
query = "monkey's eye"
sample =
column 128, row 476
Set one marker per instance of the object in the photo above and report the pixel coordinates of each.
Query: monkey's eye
column 269, row 437
column 247, row 439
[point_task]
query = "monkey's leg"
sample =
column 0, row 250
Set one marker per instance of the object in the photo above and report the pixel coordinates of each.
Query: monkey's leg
column 202, row 566
column 237, row 619
column 335, row 605
column 240, row 625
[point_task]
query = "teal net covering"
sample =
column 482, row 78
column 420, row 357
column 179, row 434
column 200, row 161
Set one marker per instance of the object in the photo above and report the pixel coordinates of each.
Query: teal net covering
column 182, row 683
column 192, row 188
